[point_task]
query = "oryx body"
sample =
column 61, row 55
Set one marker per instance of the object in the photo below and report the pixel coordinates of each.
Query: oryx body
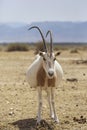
column 45, row 73
column 33, row 74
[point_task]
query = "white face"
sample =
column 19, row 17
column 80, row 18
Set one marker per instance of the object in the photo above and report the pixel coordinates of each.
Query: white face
column 48, row 64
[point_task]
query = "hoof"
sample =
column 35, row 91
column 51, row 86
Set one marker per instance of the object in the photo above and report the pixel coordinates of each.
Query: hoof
column 56, row 120
column 38, row 121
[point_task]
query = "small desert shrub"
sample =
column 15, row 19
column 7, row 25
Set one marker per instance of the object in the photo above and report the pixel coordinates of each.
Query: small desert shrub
column 17, row 47
column 56, row 47
column 0, row 49
column 74, row 50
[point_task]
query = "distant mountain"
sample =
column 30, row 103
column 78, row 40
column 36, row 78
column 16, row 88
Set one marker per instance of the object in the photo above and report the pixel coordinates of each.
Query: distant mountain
column 62, row 31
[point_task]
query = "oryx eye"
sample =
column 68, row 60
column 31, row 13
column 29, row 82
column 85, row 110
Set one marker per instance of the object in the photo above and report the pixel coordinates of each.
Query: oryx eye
column 44, row 59
column 54, row 59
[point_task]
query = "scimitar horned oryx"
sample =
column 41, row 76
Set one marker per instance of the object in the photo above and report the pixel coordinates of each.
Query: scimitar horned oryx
column 45, row 73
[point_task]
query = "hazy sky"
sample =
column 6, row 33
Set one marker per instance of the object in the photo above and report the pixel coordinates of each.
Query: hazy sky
column 42, row 10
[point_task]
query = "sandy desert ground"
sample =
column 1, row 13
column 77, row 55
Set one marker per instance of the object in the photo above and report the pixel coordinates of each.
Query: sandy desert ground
column 18, row 102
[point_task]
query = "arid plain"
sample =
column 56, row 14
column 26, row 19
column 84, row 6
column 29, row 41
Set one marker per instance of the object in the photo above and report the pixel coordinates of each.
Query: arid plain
column 18, row 102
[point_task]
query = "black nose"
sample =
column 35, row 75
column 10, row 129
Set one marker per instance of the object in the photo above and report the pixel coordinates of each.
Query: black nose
column 51, row 73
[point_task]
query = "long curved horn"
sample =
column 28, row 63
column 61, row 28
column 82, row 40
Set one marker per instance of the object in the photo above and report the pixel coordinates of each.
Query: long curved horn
column 41, row 36
column 51, row 41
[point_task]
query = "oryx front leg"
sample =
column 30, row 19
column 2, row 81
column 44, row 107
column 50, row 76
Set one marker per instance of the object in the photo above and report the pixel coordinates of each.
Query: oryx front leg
column 53, row 106
column 49, row 101
column 39, row 104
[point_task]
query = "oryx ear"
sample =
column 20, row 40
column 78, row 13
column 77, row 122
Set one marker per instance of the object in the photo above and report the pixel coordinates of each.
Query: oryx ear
column 58, row 53
column 41, row 53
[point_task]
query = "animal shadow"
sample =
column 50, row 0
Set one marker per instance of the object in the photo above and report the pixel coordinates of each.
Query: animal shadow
column 31, row 124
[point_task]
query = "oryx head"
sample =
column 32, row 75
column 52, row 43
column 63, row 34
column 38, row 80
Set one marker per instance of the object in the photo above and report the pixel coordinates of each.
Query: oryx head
column 48, row 58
